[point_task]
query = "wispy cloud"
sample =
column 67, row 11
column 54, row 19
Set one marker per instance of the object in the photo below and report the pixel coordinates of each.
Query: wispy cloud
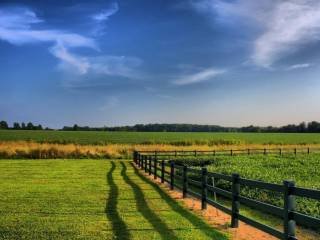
column 19, row 26
column 70, row 61
column 299, row 66
column 105, row 14
column 291, row 25
column 200, row 76
column 285, row 26
column 116, row 66
column 100, row 18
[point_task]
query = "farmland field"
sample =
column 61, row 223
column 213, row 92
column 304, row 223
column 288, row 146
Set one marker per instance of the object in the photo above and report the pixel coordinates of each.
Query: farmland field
column 177, row 138
column 303, row 169
column 89, row 199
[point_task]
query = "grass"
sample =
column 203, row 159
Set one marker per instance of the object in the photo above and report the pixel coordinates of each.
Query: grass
column 89, row 199
column 34, row 150
column 179, row 138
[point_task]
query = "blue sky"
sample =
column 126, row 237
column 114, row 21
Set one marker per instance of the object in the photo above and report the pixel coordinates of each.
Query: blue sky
column 232, row 63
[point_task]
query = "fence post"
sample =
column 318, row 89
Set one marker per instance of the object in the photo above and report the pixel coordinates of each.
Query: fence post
column 155, row 168
column 289, row 223
column 145, row 163
column 235, row 200
column 150, row 165
column 204, row 193
column 295, row 151
column 142, row 161
column 214, row 152
column 185, row 181
column 280, row 151
column 248, row 151
column 195, row 153
column 265, row 151
column 135, row 157
column 231, row 152
column 308, row 150
column 162, row 171
column 171, row 175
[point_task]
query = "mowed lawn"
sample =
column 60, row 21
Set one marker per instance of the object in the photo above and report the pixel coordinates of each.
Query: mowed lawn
column 89, row 199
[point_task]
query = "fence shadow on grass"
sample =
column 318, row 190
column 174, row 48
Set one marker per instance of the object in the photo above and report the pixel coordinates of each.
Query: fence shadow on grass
column 145, row 210
column 193, row 219
column 119, row 228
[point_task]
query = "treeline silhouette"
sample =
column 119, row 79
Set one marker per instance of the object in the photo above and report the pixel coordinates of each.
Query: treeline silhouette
column 310, row 127
column 22, row 126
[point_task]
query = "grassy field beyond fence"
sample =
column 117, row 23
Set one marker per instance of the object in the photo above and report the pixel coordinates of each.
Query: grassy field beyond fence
column 175, row 138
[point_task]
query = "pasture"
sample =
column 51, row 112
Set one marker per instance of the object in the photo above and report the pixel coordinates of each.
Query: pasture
column 89, row 199
column 174, row 138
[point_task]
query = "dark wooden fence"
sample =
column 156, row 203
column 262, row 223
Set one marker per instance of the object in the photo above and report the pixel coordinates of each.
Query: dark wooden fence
column 232, row 152
column 172, row 173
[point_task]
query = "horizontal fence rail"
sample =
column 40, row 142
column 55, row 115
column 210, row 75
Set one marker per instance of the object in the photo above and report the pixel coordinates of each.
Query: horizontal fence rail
column 178, row 176
column 231, row 152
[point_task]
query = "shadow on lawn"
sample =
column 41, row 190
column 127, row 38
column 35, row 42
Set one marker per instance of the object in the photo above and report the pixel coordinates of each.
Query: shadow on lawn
column 119, row 228
column 193, row 219
column 145, row 210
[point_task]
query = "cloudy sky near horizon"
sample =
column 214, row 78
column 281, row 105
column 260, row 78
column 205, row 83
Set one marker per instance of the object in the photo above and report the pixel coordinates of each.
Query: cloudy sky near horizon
column 226, row 62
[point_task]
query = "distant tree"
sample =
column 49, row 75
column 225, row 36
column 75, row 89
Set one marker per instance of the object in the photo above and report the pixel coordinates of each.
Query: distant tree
column 75, row 127
column 3, row 125
column 39, row 127
column 23, row 125
column 302, row 127
column 16, row 126
column 313, row 127
column 30, row 126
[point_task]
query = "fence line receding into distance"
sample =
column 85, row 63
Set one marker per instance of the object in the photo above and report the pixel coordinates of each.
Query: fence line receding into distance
column 173, row 174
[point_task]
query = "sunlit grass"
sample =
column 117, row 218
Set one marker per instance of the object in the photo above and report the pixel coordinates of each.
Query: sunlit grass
column 34, row 150
column 89, row 199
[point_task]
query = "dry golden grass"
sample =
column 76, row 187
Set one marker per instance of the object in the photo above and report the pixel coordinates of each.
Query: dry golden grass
column 24, row 149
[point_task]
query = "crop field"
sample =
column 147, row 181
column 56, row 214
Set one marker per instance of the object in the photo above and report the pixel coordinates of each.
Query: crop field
column 90, row 199
column 303, row 169
column 175, row 138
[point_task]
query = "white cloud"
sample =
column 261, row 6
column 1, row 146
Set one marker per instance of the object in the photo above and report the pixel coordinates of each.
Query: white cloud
column 116, row 66
column 298, row 66
column 71, row 62
column 204, row 75
column 101, row 17
column 18, row 27
column 285, row 26
column 291, row 25
column 105, row 14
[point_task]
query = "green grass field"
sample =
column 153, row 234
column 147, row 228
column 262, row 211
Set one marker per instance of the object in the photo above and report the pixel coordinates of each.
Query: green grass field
column 89, row 199
column 81, row 137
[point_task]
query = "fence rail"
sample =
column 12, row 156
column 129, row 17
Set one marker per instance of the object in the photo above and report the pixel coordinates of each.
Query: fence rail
column 150, row 162
column 231, row 152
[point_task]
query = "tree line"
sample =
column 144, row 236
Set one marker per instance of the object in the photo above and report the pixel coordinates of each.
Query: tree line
column 310, row 127
column 22, row 126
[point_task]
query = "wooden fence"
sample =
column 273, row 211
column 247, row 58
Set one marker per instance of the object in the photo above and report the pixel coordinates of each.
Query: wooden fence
column 172, row 173
column 232, row 152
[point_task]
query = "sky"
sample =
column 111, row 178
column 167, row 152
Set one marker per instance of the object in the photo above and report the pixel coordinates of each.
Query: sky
column 107, row 63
